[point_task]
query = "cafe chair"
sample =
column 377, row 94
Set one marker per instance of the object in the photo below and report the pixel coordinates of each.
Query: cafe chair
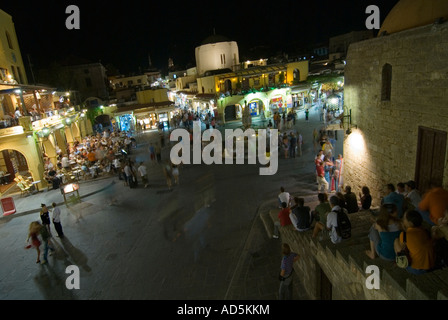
column 24, row 189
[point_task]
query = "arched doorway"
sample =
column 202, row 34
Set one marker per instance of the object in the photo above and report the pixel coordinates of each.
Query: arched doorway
column 228, row 86
column 13, row 167
column 233, row 112
column 256, row 107
column 230, row 113
column 104, row 122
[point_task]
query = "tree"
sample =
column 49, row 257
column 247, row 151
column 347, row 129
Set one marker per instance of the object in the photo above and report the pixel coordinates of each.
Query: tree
column 281, row 78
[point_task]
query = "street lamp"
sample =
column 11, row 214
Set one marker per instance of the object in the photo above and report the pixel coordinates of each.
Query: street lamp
column 45, row 131
column 349, row 116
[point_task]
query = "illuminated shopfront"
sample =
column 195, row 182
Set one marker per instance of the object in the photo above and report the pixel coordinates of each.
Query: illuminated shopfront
column 256, row 107
column 144, row 116
column 147, row 120
column 277, row 104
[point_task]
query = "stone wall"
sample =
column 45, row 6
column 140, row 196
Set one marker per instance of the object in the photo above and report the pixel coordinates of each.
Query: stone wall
column 384, row 147
column 345, row 266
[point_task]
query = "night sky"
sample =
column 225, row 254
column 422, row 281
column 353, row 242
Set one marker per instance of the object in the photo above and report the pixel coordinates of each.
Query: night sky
column 124, row 33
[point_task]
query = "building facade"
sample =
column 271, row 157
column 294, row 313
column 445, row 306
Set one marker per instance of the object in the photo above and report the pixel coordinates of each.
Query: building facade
column 47, row 122
column 216, row 52
column 90, row 81
column 12, row 69
column 396, row 87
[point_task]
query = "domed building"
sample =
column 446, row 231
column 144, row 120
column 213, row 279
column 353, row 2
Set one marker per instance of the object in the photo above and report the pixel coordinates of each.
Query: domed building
column 396, row 90
column 216, row 52
column 408, row 14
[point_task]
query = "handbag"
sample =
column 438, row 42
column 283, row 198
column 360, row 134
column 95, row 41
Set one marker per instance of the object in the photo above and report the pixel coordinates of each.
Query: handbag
column 403, row 259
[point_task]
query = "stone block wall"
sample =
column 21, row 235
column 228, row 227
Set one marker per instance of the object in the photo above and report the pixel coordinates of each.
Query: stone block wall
column 384, row 147
column 345, row 264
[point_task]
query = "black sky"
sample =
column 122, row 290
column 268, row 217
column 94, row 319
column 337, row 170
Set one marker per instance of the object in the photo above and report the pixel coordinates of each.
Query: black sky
column 123, row 33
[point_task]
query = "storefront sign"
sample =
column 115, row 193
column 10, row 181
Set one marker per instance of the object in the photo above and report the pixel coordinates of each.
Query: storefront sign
column 71, row 187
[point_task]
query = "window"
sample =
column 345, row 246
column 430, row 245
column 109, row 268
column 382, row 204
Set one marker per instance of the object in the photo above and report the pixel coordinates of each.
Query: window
column 14, row 74
column 223, row 58
column 386, row 82
column 3, row 74
column 8, row 38
column 20, row 74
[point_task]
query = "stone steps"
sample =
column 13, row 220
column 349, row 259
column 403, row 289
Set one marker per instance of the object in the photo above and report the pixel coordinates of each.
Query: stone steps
column 396, row 283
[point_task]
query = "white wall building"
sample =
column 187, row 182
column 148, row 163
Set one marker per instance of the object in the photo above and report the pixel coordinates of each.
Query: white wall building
column 216, row 52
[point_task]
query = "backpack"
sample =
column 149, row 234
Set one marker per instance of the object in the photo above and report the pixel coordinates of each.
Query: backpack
column 344, row 228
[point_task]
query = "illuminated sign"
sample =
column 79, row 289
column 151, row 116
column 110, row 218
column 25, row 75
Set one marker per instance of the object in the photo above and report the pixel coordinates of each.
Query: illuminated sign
column 71, row 187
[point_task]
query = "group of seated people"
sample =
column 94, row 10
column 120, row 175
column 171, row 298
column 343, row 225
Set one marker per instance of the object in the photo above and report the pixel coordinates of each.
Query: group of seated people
column 405, row 219
column 94, row 155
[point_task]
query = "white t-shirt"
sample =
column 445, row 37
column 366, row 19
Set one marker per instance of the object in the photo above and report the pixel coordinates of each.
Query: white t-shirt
column 127, row 171
column 284, row 197
column 65, row 162
column 332, row 223
column 142, row 170
column 57, row 214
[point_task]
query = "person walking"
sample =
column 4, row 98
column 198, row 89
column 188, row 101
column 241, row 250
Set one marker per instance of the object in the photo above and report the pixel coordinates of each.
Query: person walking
column 56, row 217
column 167, row 172
column 152, row 152
column 45, row 217
column 45, row 235
column 158, row 150
column 320, row 171
column 33, row 238
column 286, row 272
column 127, row 174
column 285, row 145
column 292, row 146
column 143, row 174
column 299, row 144
column 175, row 173
column 307, row 112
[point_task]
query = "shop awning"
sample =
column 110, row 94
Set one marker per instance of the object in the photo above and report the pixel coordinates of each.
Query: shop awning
column 187, row 93
column 10, row 88
column 145, row 107
column 256, row 71
column 300, row 88
column 205, row 96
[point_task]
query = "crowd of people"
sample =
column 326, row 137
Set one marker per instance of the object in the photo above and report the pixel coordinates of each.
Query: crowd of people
column 95, row 155
column 328, row 168
column 405, row 219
